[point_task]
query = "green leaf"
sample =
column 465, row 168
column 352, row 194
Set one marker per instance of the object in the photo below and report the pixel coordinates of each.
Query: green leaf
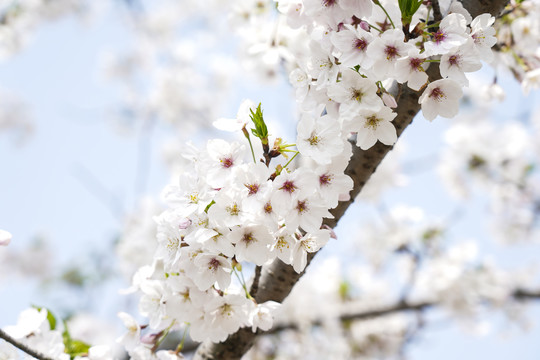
column 408, row 9
column 73, row 347
column 260, row 130
column 76, row 348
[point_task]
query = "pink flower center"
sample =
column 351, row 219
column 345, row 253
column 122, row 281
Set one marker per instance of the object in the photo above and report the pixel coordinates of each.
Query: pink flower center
column 252, row 188
column 325, row 179
column 439, row 36
column 329, row 2
column 248, row 238
column 415, row 63
column 227, row 162
column 302, row 206
column 454, row 59
column 356, row 94
column 360, row 44
column 268, row 208
column 288, row 186
column 213, row 264
column 391, row 52
column 436, row 94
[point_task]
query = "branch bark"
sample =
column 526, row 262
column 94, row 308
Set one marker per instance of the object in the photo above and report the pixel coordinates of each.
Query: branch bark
column 277, row 279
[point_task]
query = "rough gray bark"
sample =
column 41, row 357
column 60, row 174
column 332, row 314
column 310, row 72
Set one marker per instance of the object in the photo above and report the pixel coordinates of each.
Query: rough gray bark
column 278, row 279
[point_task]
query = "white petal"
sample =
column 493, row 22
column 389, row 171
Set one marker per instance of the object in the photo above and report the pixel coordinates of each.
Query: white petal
column 5, row 238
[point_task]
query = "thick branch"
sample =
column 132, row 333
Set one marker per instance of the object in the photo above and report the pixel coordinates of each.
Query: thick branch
column 23, row 347
column 477, row 7
column 277, row 279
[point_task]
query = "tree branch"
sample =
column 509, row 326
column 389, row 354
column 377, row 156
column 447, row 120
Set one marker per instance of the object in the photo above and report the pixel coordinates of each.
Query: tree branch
column 278, row 279
column 23, row 347
column 437, row 16
column 401, row 306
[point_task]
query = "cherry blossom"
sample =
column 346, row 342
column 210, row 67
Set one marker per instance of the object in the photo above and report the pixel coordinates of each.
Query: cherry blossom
column 441, row 97
column 373, row 126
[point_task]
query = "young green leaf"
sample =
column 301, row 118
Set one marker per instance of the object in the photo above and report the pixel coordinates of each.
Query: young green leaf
column 408, row 9
column 260, row 130
column 73, row 347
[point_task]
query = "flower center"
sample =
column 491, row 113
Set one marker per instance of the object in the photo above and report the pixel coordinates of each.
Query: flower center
column 325, row 179
column 213, row 264
column 437, row 94
column 391, row 52
column 194, row 198
column 233, row 210
column 248, row 238
column 301, row 206
column 415, row 63
column 227, row 162
column 252, row 188
column 439, row 36
column 226, row 309
column 313, row 140
column 372, row 122
column 288, row 186
column 357, row 95
column 282, row 243
column 360, row 44
column 268, row 208
column 454, row 59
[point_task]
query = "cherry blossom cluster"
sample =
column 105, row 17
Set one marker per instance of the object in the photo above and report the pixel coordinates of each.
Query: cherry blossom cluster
column 231, row 206
column 453, row 279
column 35, row 330
column 499, row 159
column 518, row 34
column 228, row 209
column 355, row 49
column 137, row 244
column 178, row 85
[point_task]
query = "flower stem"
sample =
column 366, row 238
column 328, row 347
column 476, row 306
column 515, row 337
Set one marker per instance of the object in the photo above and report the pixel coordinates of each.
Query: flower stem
column 374, row 27
column 181, row 345
column 246, row 134
column 163, row 336
column 242, row 282
column 288, row 162
column 378, row 3
column 433, row 25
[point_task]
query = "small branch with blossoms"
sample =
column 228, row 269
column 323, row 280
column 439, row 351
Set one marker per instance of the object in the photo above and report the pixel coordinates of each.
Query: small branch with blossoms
column 399, row 307
column 19, row 345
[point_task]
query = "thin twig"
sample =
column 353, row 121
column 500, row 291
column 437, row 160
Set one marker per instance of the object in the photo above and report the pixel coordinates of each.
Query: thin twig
column 23, row 347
